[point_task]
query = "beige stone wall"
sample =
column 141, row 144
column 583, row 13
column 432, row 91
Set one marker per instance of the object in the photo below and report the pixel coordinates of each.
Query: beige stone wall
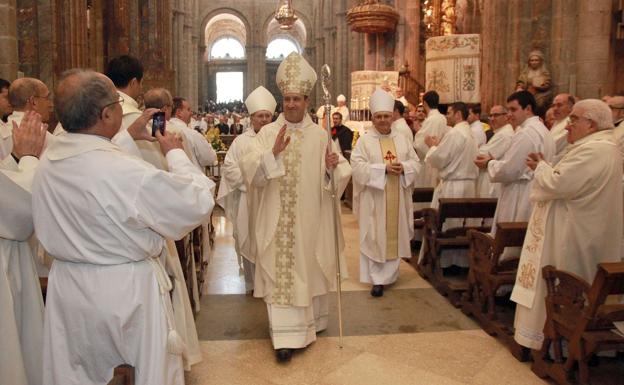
column 8, row 40
column 575, row 35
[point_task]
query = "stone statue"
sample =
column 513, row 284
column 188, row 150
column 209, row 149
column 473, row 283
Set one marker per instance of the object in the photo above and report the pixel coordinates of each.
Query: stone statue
column 536, row 79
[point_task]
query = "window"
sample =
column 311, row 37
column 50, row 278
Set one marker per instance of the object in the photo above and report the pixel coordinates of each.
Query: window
column 229, row 86
column 227, row 48
column 279, row 48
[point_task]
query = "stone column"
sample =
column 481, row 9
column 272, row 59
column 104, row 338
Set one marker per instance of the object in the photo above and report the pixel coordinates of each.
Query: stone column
column 201, row 74
column 342, row 78
column 593, row 48
column 412, row 41
column 8, row 40
column 563, row 46
column 118, row 27
column 370, row 52
column 71, row 35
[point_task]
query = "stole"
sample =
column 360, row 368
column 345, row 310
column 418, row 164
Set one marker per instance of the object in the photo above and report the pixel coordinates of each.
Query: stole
column 388, row 152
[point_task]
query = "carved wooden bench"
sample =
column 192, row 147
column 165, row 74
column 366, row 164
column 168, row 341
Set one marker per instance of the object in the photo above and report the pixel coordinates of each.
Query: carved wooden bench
column 487, row 274
column 473, row 212
column 579, row 313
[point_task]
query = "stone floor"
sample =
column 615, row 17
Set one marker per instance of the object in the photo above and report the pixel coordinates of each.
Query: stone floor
column 409, row 336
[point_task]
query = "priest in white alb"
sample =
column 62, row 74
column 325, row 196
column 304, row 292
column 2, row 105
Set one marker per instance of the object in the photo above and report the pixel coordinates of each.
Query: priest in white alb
column 510, row 170
column 496, row 147
column 233, row 195
column 126, row 72
column 385, row 167
column 341, row 107
column 433, row 125
column 289, row 167
column 21, row 302
column 453, row 158
column 105, row 216
column 571, row 227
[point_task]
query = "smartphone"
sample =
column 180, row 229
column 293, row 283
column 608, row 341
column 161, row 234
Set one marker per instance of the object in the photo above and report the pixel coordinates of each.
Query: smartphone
column 158, row 123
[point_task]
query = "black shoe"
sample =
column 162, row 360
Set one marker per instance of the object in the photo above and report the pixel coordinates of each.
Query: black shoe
column 283, row 355
column 377, row 290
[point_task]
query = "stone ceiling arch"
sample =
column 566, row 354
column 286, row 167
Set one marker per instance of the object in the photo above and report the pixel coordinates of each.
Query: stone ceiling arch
column 224, row 25
column 234, row 22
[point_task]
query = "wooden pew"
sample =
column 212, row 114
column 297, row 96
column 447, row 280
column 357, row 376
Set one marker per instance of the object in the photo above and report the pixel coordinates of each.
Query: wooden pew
column 486, row 275
column 123, row 375
column 197, row 240
column 185, row 253
column 438, row 238
column 579, row 313
column 421, row 195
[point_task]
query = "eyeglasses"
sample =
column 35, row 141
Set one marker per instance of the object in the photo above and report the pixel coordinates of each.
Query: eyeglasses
column 47, row 97
column 497, row 114
column 120, row 100
column 575, row 119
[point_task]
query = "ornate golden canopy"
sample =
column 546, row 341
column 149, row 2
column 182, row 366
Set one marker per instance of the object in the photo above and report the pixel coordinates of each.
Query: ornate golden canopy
column 372, row 17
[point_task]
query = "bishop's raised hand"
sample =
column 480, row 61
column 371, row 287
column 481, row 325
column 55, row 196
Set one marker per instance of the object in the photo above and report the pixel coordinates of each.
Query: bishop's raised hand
column 281, row 141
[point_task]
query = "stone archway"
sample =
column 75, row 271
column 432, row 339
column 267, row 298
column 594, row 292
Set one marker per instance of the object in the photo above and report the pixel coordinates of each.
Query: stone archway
column 218, row 25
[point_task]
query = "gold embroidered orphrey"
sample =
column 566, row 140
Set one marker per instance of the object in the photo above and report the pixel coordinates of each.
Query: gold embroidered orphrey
column 285, row 236
column 388, row 152
column 526, row 275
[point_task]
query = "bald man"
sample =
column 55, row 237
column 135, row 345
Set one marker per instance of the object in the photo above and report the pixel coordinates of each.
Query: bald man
column 24, row 95
column 112, row 213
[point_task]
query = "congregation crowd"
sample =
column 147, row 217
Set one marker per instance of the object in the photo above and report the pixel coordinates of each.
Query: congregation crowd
column 96, row 203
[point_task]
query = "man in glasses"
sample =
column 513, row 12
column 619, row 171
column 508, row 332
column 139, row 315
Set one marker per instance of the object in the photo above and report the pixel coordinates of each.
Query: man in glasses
column 570, row 227
column 29, row 94
column 105, row 215
column 496, row 148
column 562, row 106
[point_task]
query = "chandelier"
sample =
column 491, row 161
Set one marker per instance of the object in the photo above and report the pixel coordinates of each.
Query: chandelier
column 285, row 14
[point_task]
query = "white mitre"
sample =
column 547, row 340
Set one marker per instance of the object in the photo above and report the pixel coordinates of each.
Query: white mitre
column 295, row 75
column 381, row 101
column 341, row 98
column 260, row 99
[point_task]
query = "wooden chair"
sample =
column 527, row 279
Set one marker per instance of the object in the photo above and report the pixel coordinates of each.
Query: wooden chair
column 578, row 313
column 122, row 375
column 486, row 275
column 438, row 239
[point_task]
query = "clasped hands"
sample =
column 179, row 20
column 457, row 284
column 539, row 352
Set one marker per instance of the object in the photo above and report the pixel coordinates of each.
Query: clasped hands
column 431, row 141
column 394, row 168
column 533, row 159
column 482, row 160
column 282, row 141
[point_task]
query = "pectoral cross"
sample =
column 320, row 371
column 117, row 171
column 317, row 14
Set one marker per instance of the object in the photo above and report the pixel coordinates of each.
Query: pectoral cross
column 389, row 157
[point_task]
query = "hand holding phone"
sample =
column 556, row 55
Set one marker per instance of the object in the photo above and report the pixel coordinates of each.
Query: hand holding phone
column 158, row 123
